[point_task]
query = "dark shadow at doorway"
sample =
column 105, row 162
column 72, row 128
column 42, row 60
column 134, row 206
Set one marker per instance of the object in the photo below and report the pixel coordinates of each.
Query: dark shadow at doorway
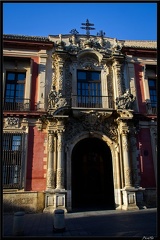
column 92, row 176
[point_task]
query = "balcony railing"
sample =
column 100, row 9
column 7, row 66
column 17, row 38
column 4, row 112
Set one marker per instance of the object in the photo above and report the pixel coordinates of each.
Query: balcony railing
column 151, row 108
column 18, row 104
column 92, row 101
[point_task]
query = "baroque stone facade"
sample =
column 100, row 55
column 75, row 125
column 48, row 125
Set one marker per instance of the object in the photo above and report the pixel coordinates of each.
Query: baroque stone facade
column 87, row 121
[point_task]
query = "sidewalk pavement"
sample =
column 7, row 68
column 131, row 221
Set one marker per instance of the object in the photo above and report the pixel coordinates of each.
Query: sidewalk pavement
column 108, row 223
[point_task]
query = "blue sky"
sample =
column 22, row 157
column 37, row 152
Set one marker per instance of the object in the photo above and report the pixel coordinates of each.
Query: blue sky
column 124, row 21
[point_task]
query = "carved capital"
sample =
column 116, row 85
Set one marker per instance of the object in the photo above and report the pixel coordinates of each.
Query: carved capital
column 60, row 131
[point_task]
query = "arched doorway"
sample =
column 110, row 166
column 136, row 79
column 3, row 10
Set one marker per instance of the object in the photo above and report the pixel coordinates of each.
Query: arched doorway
column 92, row 175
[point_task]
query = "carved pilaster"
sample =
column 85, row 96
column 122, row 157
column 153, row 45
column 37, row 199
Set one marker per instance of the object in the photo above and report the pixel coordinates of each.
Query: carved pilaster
column 58, row 63
column 117, row 66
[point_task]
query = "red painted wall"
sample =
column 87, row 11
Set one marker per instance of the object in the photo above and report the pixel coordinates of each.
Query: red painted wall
column 146, row 159
column 140, row 88
column 35, row 164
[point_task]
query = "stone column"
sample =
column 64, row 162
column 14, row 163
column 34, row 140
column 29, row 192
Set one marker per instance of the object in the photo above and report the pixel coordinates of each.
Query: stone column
column 55, row 160
column 126, row 159
column 60, row 160
column 50, row 169
column 131, row 196
column 50, row 183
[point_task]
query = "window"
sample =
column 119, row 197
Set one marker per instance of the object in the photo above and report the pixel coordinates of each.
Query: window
column 12, row 160
column 89, row 88
column 14, row 92
column 152, row 92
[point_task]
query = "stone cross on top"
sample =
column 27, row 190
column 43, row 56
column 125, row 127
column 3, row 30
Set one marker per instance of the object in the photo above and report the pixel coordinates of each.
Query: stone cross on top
column 87, row 27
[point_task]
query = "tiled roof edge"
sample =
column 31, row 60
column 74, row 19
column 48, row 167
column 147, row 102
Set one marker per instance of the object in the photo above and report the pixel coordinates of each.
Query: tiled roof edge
column 25, row 37
column 141, row 44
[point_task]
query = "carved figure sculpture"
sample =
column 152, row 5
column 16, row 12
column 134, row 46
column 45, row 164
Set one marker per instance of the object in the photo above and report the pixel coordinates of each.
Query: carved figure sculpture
column 52, row 97
column 125, row 101
column 55, row 99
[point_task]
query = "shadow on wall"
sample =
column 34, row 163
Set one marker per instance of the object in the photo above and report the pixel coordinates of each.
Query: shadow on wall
column 150, row 198
column 27, row 202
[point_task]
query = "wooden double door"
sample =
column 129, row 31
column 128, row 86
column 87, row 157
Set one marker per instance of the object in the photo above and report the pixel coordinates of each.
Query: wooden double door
column 92, row 175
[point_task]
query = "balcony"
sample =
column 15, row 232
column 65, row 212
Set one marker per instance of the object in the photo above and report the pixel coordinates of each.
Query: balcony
column 151, row 108
column 83, row 101
column 18, row 104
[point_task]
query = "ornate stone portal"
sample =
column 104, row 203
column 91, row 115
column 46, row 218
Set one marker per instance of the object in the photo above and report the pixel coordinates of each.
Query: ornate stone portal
column 67, row 124
column 63, row 134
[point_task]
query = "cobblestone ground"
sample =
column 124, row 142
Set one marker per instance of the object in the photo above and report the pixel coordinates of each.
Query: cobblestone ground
column 141, row 223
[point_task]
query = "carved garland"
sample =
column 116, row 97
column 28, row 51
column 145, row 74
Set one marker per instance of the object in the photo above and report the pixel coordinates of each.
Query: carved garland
column 91, row 122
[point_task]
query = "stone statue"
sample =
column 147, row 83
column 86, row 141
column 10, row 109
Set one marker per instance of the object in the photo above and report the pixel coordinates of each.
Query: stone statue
column 55, row 99
column 52, row 97
column 125, row 101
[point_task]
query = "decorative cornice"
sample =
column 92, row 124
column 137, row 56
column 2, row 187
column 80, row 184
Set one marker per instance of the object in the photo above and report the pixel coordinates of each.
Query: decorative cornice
column 51, row 38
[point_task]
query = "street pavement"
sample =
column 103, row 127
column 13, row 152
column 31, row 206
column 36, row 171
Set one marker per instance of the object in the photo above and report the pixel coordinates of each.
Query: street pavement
column 107, row 223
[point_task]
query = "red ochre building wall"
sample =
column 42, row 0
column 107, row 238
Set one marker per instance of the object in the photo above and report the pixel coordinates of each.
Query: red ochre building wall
column 146, row 165
column 36, row 166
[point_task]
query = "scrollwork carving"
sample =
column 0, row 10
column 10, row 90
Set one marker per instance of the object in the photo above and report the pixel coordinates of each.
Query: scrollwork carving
column 12, row 122
column 88, row 63
column 92, row 122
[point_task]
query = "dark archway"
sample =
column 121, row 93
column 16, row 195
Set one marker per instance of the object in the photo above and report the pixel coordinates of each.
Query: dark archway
column 92, row 175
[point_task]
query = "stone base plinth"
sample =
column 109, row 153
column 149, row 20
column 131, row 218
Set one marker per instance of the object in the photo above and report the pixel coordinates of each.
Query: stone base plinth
column 132, row 198
column 55, row 199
